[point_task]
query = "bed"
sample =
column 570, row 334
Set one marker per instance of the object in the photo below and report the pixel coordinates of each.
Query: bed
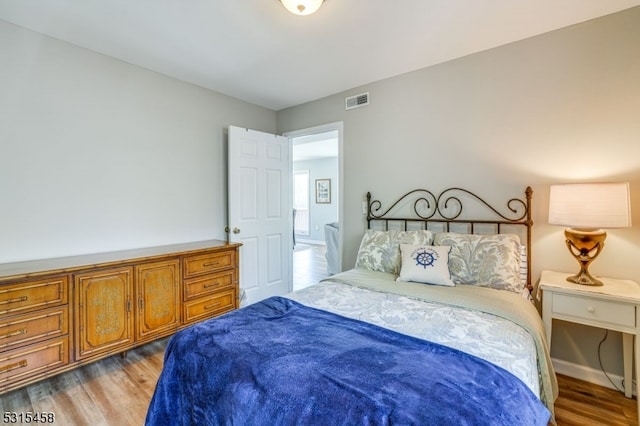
column 434, row 325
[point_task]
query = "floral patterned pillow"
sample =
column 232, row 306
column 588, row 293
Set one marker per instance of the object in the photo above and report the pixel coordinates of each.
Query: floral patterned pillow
column 484, row 260
column 380, row 250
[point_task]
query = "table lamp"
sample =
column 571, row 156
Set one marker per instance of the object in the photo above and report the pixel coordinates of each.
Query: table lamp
column 585, row 209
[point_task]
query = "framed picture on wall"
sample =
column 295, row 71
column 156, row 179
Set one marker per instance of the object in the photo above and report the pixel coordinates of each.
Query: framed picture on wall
column 323, row 191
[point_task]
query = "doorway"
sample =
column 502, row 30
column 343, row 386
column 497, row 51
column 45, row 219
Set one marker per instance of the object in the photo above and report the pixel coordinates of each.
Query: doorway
column 316, row 168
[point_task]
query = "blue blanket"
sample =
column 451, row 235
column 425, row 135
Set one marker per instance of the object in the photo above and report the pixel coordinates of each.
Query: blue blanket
column 278, row 362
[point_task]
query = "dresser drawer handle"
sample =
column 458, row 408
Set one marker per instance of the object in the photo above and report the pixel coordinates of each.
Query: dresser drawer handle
column 15, row 333
column 18, row 299
column 10, row 367
column 211, row 285
column 215, row 305
column 591, row 309
column 210, row 264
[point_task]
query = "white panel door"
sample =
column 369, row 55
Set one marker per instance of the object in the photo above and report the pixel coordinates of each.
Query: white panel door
column 260, row 211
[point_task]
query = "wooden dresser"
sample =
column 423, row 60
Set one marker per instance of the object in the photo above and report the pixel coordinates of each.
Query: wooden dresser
column 57, row 314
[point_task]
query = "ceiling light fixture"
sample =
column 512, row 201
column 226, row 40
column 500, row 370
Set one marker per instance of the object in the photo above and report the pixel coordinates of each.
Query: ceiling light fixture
column 302, row 7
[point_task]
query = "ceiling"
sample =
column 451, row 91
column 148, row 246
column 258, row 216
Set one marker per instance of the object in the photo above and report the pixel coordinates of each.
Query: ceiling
column 257, row 51
column 315, row 146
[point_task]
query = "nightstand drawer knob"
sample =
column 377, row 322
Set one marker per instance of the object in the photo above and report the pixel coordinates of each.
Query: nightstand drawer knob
column 591, row 309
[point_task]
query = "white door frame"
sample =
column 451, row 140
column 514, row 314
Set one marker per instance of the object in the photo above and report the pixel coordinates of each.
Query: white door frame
column 335, row 126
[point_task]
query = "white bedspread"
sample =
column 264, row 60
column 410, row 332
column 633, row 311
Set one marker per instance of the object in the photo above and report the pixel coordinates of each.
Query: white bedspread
column 492, row 338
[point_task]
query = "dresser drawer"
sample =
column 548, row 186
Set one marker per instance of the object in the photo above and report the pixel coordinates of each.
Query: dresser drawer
column 614, row 313
column 30, row 295
column 198, row 287
column 35, row 359
column 33, row 327
column 209, row 306
column 206, row 263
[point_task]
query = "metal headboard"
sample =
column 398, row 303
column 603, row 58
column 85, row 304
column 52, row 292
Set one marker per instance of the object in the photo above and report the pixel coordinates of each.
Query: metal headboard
column 445, row 212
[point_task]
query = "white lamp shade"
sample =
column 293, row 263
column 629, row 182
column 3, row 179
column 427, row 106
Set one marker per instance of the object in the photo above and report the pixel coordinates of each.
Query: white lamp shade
column 590, row 205
column 302, row 7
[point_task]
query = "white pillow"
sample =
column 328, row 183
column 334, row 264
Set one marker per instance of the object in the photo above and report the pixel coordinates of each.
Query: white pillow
column 425, row 264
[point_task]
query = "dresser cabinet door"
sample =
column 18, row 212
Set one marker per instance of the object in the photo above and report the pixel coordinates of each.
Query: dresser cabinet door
column 103, row 320
column 158, row 299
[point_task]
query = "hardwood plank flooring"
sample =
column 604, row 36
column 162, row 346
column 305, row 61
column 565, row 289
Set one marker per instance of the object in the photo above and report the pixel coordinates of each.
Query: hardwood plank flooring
column 581, row 403
column 116, row 392
column 309, row 265
column 112, row 391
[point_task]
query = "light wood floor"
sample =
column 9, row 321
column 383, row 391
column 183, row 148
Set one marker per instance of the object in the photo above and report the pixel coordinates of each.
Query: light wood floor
column 116, row 391
column 309, row 265
column 581, row 404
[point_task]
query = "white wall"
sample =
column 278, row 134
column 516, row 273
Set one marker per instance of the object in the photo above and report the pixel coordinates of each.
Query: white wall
column 320, row 214
column 97, row 154
column 560, row 107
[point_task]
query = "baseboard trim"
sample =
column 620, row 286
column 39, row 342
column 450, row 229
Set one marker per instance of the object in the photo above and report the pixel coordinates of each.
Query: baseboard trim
column 316, row 242
column 589, row 374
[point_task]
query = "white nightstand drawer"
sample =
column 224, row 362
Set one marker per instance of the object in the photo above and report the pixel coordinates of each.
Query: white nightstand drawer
column 595, row 310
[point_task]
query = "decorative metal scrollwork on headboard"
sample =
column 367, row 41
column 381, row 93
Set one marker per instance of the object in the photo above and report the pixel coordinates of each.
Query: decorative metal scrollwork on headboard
column 447, row 206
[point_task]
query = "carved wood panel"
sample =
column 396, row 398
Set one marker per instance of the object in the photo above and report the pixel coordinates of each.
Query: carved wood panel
column 158, row 298
column 103, row 320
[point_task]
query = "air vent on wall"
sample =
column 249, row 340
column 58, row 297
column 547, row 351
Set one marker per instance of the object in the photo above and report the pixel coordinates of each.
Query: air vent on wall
column 357, row 100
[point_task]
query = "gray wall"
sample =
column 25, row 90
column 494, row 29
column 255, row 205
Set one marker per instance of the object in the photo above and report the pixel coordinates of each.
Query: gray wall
column 97, row 154
column 560, row 107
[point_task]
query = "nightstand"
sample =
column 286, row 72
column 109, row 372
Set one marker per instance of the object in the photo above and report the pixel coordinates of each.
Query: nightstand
column 613, row 306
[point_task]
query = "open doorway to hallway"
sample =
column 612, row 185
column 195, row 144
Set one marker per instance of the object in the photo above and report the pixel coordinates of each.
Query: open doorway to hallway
column 315, row 196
